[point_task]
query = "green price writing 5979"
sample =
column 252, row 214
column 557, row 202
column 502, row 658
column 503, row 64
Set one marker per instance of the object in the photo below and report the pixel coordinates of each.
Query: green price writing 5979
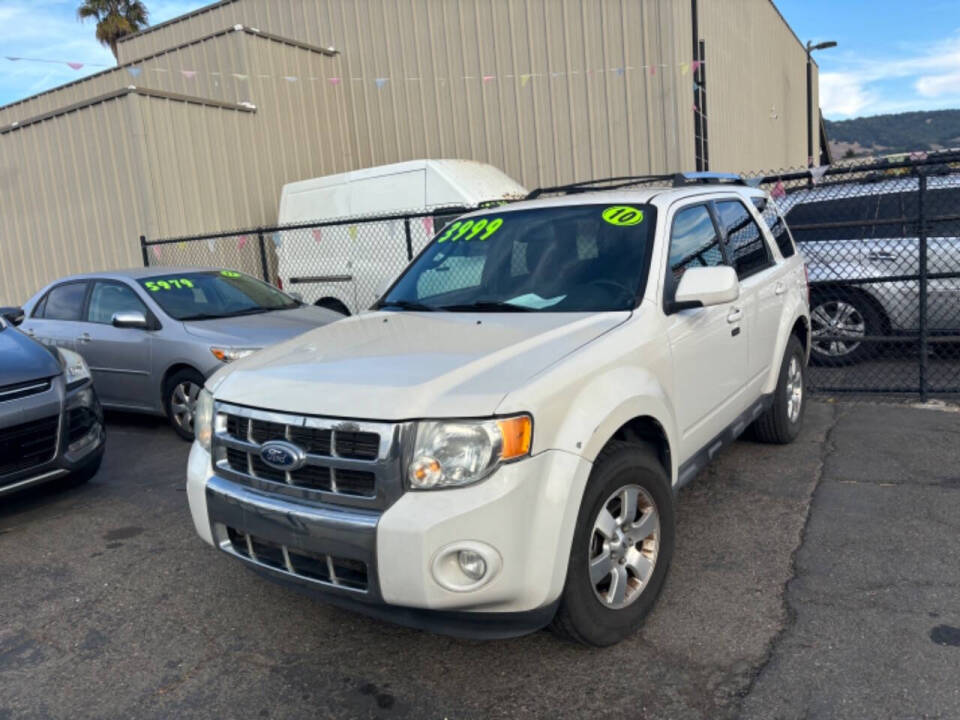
column 168, row 284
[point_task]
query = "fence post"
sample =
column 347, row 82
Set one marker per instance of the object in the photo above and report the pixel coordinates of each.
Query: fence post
column 406, row 230
column 143, row 251
column 264, row 267
column 922, row 277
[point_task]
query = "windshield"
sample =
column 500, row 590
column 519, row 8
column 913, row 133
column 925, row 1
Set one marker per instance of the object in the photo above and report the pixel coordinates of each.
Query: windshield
column 580, row 258
column 214, row 294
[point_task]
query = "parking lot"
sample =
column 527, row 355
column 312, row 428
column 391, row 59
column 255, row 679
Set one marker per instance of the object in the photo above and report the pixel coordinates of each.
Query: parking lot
column 819, row 579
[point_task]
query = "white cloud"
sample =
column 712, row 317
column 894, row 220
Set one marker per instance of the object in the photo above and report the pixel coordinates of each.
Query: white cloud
column 918, row 78
column 843, row 94
column 936, row 86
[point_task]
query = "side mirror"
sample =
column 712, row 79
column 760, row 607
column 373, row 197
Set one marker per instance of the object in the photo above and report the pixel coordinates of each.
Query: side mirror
column 12, row 315
column 130, row 319
column 706, row 286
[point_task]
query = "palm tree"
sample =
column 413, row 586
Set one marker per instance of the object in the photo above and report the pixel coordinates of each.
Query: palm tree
column 115, row 19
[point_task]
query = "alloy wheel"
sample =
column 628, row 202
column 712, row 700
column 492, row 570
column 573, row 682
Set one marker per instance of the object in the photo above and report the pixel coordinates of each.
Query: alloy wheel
column 623, row 546
column 834, row 318
column 794, row 389
column 183, row 403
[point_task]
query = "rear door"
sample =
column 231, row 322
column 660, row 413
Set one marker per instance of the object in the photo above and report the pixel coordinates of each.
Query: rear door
column 55, row 319
column 119, row 358
column 763, row 285
column 708, row 344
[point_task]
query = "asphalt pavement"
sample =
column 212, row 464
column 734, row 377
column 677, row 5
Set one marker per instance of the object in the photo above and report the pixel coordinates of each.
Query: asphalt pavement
column 816, row 580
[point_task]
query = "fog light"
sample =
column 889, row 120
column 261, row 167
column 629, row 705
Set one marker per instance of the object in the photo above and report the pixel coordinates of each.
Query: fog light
column 472, row 564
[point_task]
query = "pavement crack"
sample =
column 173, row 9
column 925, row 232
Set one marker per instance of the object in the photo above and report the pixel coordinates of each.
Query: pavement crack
column 790, row 612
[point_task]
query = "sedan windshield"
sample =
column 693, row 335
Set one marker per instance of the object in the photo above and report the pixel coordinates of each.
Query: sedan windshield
column 576, row 258
column 214, row 294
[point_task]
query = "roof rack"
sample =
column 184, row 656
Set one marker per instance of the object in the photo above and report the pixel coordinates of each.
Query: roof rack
column 676, row 180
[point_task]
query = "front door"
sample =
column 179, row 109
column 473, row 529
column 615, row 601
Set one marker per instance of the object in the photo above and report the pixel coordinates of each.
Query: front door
column 709, row 345
column 119, row 358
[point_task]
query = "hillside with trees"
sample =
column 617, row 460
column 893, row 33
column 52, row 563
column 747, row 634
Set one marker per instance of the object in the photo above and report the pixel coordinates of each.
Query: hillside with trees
column 900, row 132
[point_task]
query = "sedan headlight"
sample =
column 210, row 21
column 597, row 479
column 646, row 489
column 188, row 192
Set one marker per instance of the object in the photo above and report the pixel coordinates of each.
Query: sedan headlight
column 461, row 452
column 203, row 419
column 75, row 368
column 229, row 354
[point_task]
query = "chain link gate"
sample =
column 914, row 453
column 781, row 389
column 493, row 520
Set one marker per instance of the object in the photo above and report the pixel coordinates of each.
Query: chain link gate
column 881, row 241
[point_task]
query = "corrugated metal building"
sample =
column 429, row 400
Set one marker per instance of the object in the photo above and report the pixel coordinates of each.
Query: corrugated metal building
column 208, row 115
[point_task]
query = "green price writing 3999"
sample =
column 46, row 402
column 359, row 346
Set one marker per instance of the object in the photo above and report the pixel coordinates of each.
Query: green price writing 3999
column 467, row 230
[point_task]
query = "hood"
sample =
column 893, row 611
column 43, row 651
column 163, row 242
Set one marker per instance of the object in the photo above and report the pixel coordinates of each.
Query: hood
column 24, row 359
column 261, row 330
column 404, row 365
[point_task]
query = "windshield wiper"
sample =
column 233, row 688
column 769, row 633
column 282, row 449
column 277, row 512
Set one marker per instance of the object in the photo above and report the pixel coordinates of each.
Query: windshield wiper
column 487, row 306
column 405, row 305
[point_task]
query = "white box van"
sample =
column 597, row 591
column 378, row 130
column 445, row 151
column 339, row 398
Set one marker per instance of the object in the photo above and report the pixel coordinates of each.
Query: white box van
column 343, row 266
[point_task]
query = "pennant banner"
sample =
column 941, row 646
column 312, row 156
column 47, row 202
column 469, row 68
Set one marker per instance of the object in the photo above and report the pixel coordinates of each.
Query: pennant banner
column 134, row 71
column 241, row 243
column 428, row 225
column 211, row 245
column 380, row 82
column 318, row 234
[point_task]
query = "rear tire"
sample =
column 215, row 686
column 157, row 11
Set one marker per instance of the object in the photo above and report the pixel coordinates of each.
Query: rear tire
column 180, row 399
column 782, row 421
column 621, row 547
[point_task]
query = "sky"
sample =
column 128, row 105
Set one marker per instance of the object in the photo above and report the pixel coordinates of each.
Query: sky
column 893, row 55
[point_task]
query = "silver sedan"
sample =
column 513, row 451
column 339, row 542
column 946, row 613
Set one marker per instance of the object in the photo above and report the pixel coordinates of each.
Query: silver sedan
column 151, row 336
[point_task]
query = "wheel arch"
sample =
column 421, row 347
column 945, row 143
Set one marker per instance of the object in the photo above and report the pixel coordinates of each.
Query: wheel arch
column 332, row 302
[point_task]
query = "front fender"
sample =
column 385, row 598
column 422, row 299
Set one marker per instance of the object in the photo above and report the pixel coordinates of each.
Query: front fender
column 793, row 309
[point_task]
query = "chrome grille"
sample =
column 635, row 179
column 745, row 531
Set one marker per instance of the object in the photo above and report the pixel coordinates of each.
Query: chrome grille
column 347, row 462
column 344, row 573
column 21, row 390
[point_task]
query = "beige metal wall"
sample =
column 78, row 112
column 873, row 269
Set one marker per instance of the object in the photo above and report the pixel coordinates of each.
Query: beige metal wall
column 70, row 197
column 575, row 118
column 756, row 87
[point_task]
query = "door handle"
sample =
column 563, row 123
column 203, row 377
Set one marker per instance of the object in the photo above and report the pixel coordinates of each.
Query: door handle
column 735, row 315
column 780, row 288
column 84, row 338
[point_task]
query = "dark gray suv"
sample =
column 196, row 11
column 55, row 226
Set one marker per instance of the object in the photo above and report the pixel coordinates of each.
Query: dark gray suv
column 51, row 424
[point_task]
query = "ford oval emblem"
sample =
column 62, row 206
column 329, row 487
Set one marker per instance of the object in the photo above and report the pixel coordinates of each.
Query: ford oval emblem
column 282, row 455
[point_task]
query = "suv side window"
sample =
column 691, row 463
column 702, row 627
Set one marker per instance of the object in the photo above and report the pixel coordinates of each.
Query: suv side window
column 776, row 225
column 694, row 242
column 64, row 302
column 748, row 250
column 108, row 298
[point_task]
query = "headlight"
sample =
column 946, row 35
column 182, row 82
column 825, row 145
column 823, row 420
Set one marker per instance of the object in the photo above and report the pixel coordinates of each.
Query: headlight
column 203, row 419
column 461, row 452
column 75, row 368
column 229, row 354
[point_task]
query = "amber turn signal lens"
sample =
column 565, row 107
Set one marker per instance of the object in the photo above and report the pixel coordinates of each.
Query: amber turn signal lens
column 516, row 433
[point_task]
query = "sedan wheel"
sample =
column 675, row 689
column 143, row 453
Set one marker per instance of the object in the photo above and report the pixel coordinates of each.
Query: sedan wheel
column 623, row 546
column 183, row 403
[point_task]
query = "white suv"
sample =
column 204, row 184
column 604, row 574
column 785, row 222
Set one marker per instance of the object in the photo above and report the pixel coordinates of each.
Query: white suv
column 498, row 445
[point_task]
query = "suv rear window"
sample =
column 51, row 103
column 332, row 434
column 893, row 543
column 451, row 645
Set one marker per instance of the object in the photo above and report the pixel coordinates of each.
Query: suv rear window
column 776, row 225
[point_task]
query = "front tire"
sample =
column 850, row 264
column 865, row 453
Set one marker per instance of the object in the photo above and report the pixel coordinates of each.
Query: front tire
column 622, row 547
column 180, row 393
column 782, row 421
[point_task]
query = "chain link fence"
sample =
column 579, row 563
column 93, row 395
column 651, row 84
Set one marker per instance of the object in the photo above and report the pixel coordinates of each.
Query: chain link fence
column 881, row 240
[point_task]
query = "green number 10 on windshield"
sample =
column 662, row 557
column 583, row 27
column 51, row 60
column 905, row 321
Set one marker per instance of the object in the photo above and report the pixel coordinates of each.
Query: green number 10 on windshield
column 467, row 230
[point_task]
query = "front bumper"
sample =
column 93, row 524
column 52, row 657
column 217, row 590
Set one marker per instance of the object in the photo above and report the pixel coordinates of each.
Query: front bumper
column 524, row 514
column 80, row 435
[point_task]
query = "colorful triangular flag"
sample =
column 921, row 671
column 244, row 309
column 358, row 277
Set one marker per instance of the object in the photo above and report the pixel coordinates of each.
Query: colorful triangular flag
column 318, row 234
column 189, row 74
column 428, row 225
column 380, row 82
column 134, row 71
column 75, row 65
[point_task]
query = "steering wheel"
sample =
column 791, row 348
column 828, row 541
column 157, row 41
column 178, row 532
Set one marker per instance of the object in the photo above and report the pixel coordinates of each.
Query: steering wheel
column 619, row 287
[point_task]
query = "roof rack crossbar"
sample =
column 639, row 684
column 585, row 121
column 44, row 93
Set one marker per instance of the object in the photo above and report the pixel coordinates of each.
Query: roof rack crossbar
column 707, row 178
column 585, row 185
